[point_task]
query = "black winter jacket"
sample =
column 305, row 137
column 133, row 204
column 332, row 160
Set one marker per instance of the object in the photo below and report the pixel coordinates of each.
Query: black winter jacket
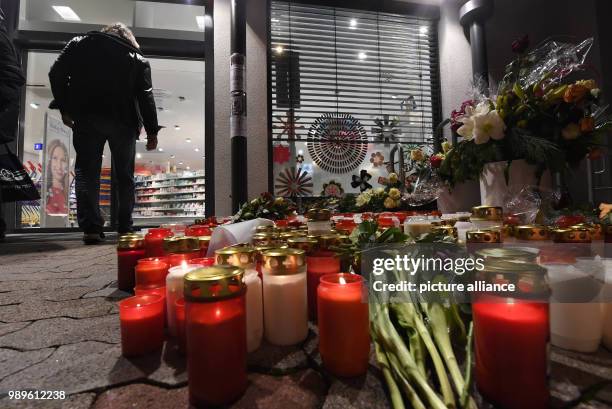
column 11, row 81
column 103, row 74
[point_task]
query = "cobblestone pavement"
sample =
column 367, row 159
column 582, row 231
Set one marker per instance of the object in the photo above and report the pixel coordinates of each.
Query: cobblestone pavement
column 59, row 330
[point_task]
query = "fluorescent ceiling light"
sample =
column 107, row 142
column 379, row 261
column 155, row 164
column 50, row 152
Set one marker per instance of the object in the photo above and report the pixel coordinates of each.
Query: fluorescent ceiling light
column 362, row 56
column 34, row 105
column 66, row 13
column 138, row 156
column 160, row 149
column 424, row 29
column 200, row 21
column 279, row 49
column 353, row 24
column 188, row 140
column 197, row 149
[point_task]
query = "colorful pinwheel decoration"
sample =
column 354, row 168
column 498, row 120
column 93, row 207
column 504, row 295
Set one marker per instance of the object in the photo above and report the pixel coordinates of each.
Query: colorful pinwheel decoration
column 386, row 129
column 361, row 181
column 332, row 189
column 293, row 182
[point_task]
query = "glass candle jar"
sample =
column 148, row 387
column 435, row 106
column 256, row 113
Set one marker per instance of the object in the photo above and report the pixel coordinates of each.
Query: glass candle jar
column 204, row 244
column 319, row 221
column 486, row 217
column 266, row 239
column 161, row 291
column 203, row 261
column 344, row 326
column 215, row 329
column 154, row 241
column 174, row 290
column 446, row 230
column 151, row 273
column 345, row 225
column 479, row 239
column 130, row 249
column 176, row 228
column 197, row 230
column 284, row 290
column 318, row 264
column 142, row 324
column 568, row 244
column 511, row 335
column 179, row 249
column 179, row 309
column 308, row 244
column 417, row 225
column 245, row 257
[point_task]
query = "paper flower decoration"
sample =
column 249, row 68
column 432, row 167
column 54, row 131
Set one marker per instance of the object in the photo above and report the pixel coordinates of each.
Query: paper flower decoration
column 293, row 182
column 362, row 180
column 332, row 189
column 288, row 125
column 386, row 129
column 299, row 159
column 377, row 159
column 281, row 154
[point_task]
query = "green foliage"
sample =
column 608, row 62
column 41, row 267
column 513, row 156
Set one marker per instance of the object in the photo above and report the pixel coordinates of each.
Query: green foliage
column 265, row 206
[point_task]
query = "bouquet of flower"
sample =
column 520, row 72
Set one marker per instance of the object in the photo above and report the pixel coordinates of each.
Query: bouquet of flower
column 265, row 206
column 379, row 199
column 542, row 113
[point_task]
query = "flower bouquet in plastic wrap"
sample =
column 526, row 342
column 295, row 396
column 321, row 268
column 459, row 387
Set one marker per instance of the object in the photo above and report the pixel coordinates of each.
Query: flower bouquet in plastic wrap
column 547, row 111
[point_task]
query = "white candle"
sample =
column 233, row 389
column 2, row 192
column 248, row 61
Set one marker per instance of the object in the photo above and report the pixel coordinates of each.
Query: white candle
column 254, row 310
column 285, row 298
column 607, row 304
column 174, row 291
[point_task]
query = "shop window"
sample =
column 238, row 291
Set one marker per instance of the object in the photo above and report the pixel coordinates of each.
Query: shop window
column 346, row 87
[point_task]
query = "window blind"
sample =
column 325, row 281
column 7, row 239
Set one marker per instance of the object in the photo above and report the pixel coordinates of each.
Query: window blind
column 366, row 64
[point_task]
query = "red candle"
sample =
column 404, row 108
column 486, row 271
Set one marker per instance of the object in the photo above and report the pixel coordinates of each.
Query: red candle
column 344, row 332
column 215, row 328
column 151, row 274
column 204, row 243
column 179, row 310
column 142, row 324
column 154, row 241
column 203, row 261
column 176, row 259
column 161, row 291
column 511, row 337
column 317, row 265
column 129, row 250
column 163, row 259
column 197, row 230
column 346, row 225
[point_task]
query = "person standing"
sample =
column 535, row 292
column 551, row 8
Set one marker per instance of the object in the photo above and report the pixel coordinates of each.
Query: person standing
column 102, row 85
column 11, row 82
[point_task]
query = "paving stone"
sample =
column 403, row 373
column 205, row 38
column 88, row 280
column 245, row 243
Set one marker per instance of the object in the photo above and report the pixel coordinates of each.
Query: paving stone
column 96, row 281
column 12, row 361
column 302, row 390
column 111, row 292
column 43, row 275
column 17, row 285
column 31, row 310
column 12, row 327
column 272, row 359
column 56, row 294
column 142, row 396
column 78, row 401
column 365, row 392
column 63, row 331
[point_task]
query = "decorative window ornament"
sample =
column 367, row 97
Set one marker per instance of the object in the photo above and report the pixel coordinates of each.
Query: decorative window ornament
column 292, row 182
column 281, row 153
column 288, row 124
column 332, row 189
column 362, row 180
column 377, row 159
column 299, row 159
column 386, row 129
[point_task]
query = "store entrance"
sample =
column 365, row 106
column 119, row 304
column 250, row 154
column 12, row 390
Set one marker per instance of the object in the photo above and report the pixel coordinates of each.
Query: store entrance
column 170, row 182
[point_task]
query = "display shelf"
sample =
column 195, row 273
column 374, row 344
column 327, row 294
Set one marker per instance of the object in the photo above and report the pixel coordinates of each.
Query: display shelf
column 171, row 193
column 166, row 186
column 195, row 199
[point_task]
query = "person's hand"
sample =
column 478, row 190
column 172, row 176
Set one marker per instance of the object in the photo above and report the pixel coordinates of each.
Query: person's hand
column 67, row 120
column 151, row 142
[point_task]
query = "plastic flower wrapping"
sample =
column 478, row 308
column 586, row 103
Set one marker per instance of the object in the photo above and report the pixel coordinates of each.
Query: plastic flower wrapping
column 546, row 110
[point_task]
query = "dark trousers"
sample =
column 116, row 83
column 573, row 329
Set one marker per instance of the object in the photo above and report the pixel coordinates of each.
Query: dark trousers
column 9, row 115
column 90, row 135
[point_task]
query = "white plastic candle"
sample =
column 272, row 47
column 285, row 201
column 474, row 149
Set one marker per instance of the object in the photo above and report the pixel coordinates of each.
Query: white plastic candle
column 607, row 305
column 244, row 256
column 285, row 298
column 174, row 291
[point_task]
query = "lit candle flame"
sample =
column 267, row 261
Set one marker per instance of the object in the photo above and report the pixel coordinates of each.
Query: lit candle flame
column 342, row 280
column 184, row 265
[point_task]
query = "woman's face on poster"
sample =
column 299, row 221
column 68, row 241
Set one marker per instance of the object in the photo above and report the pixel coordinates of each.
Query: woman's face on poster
column 59, row 163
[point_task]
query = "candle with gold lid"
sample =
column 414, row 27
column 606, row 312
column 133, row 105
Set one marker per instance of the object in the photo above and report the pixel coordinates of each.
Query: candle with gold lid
column 266, row 229
column 513, row 253
column 215, row 330
column 266, row 239
column 130, row 249
column 446, row 229
column 319, row 221
column 532, row 232
column 154, row 241
column 479, row 239
column 485, row 217
column 204, row 243
column 245, row 257
column 179, row 249
column 284, row 290
column 308, row 244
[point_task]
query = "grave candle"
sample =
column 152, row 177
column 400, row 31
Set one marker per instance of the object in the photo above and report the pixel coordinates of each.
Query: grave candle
column 130, row 249
column 179, row 309
column 154, row 241
column 344, row 332
column 319, row 264
column 142, row 324
column 151, row 273
column 203, row 261
column 179, row 249
column 215, row 329
column 174, row 289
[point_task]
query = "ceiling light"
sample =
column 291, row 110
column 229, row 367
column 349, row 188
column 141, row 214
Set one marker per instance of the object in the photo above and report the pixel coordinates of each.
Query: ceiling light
column 103, row 156
column 300, row 152
column 172, row 156
column 279, row 49
column 275, row 20
column 424, row 29
column 353, row 24
column 160, row 149
column 394, row 96
column 197, row 149
column 200, row 21
column 177, row 127
column 362, row 56
column 138, row 156
column 66, row 13
column 188, row 168
column 34, row 105
column 180, row 163
column 188, row 140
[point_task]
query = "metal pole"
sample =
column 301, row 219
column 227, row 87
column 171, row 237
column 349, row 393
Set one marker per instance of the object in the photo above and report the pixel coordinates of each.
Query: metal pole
column 472, row 16
column 238, row 100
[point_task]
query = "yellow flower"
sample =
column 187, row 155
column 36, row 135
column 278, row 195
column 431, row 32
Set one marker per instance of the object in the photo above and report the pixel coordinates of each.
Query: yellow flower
column 390, row 203
column 605, row 209
column 279, row 201
column 394, row 193
column 575, row 93
column 392, row 178
column 571, row 131
column 588, row 84
column 417, row 155
column 446, row 146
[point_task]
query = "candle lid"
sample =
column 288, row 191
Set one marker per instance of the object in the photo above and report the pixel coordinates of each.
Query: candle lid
column 238, row 256
column 446, row 229
column 204, row 241
column 183, row 244
column 159, row 231
column 492, row 213
column 325, row 241
column 265, row 229
column 130, row 241
column 532, row 232
column 529, row 278
column 213, row 283
column 594, row 228
column 574, row 234
column 308, row 244
column 517, row 253
column 483, row 236
column 291, row 234
column 201, row 222
column 318, row 214
column 284, row 261
column 265, row 239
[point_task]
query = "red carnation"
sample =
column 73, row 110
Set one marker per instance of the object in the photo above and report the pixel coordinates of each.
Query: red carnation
column 435, row 161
